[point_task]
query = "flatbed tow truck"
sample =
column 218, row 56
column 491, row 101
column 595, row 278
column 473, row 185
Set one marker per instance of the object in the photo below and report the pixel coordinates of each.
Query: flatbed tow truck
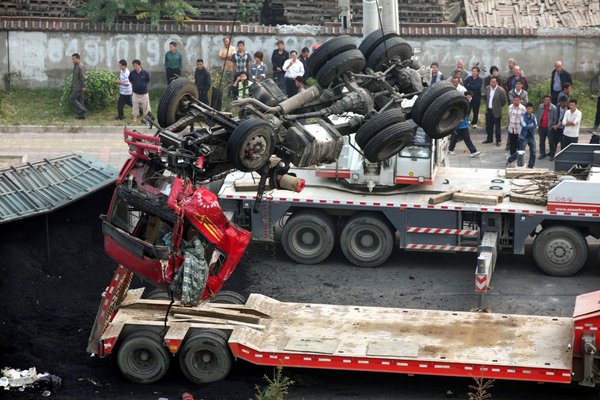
column 147, row 335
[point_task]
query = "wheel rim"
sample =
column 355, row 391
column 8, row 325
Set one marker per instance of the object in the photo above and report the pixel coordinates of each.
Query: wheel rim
column 142, row 362
column 392, row 149
column 204, row 361
column 449, row 120
column 560, row 251
column 366, row 242
column 182, row 104
column 307, row 240
column 256, row 150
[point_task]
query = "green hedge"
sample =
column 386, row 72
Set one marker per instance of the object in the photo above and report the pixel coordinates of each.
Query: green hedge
column 102, row 91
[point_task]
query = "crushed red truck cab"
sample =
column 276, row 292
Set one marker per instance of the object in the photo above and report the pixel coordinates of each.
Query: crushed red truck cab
column 154, row 214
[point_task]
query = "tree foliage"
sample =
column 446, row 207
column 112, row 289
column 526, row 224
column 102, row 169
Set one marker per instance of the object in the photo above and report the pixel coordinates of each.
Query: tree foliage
column 143, row 10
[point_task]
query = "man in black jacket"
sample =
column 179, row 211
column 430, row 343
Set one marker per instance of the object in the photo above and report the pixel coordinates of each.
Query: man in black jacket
column 279, row 56
column 202, row 80
column 558, row 79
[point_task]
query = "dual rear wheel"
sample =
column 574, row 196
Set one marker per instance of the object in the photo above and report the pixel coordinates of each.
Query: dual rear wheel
column 366, row 240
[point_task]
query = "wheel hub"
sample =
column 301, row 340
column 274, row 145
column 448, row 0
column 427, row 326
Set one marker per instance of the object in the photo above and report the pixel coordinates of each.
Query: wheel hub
column 560, row 251
column 256, row 147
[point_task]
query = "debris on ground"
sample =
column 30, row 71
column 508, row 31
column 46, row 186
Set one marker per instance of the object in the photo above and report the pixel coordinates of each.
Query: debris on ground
column 13, row 378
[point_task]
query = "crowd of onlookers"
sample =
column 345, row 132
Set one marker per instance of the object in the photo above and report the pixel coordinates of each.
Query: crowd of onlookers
column 557, row 119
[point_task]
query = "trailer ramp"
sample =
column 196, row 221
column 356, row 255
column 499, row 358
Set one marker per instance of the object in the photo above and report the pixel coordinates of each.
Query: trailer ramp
column 42, row 187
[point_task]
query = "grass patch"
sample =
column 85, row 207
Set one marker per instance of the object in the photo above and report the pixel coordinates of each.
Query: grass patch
column 42, row 107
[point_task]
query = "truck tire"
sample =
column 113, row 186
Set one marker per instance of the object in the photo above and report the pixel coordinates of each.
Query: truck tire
column 376, row 123
column 560, row 250
column 174, row 101
column 205, row 357
column 374, row 39
column 308, row 237
column 367, row 241
column 142, row 358
column 228, row 297
column 388, row 49
column 427, row 97
column 328, row 50
column 251, row 144
column 350, row 60
column 445, row 114
column 389, row 142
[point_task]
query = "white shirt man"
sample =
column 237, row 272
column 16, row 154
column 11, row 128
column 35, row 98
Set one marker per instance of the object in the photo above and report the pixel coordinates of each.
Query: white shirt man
column 572, row 123
column 293, row 68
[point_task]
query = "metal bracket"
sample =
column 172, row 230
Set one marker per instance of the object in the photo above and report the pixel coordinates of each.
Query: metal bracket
column 588, row 347
column 486, row 262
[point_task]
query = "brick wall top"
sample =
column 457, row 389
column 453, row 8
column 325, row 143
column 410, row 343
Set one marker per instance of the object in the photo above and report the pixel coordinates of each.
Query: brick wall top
column 218, row 27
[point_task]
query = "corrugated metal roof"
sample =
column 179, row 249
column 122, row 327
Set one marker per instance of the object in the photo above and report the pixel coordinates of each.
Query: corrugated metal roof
column 38, row 188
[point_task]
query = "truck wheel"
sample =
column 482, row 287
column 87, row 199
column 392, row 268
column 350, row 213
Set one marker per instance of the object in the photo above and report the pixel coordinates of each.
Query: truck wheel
column 445, row 114
column 367, row 241
column 374, row 39
column 389, row 141
column 560, row 250
column 142, row 358
column 174, row 102
column 251, row 144
column 308, row 237
column 205, row 357
column 394, row 47
column 376, row 123
column 427, row 97
column 228, row 297
column 328, row 50
column 350, row 60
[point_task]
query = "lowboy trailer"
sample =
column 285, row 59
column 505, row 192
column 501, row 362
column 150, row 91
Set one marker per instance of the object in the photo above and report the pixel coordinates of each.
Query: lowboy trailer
column 147, row 335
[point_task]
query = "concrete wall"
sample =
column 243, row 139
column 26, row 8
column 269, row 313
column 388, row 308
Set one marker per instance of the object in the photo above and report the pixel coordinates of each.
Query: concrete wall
column 43, row 59
column 3, row 59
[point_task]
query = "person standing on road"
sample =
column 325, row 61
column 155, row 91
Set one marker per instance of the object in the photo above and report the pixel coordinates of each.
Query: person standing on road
column 293, row 68
column 436, row 74
column 527, row 136
column 78, row 89
column 226, row 56
column 202, row 80
column 259, row 68
column 546, row 114
column 304, row 61
column 558, row 78
column 474, row 84
column 515, row 112
column 463, row 133
column 124, row 89
column 495, row 98
column 558, row 127
column 278, row 58
column 572, row 122
column 173, row 62
column 139, row 79
column 494, row 72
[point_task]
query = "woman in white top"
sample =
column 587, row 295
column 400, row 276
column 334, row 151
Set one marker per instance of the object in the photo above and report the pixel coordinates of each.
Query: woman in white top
column 293, row 68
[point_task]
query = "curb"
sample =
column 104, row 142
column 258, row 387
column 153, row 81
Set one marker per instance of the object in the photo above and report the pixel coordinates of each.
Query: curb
column 65, row 129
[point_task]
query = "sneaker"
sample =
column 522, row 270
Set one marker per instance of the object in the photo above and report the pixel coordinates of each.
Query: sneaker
column 474, row 126
column 487, row 142
column 551, row 158
column 476, row 154
column 498, row 144
column 451, row 152
column 542, row 156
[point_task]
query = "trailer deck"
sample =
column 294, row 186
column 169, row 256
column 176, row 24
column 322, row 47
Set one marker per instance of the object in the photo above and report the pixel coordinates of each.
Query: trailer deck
column 407, row 340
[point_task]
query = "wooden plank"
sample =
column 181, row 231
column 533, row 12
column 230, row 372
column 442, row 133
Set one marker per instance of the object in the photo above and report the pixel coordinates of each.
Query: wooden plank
column 499, row 195
column 442, row 197
column 516, row 172
column 521, row 198
column 474, row 198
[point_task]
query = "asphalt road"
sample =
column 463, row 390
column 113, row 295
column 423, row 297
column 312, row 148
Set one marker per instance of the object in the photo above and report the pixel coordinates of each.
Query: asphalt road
column 415, row 280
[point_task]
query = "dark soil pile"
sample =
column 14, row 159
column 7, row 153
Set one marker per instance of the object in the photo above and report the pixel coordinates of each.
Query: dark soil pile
column 50, row 289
